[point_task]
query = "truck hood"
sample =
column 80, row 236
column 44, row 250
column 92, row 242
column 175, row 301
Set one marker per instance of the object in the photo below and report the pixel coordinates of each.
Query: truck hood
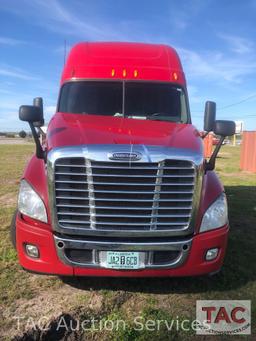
column 76, row 129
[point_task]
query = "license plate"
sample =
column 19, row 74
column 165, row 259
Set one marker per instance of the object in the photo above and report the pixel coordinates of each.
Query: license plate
column 122, row 260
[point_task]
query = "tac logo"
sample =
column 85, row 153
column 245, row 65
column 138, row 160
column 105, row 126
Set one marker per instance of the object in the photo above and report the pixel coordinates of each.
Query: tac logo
column 223, row 317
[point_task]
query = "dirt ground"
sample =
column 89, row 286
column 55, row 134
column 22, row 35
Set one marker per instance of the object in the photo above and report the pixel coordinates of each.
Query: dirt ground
column 13, row 140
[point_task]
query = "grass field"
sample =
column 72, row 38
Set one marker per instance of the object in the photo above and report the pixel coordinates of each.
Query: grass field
column 39, row 299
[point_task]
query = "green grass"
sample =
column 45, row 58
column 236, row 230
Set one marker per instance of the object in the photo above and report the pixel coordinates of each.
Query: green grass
column 12, row 161
column 35, row 295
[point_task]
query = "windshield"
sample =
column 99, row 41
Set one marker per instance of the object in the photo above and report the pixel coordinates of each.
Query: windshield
column 139, row 100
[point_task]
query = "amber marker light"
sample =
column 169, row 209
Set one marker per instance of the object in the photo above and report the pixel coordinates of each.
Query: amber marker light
column 135, row 73
column 113, row 72
column 124, row 73
column 175, row 76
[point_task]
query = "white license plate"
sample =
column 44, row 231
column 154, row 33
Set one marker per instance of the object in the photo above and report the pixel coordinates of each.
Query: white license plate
column 122, row 259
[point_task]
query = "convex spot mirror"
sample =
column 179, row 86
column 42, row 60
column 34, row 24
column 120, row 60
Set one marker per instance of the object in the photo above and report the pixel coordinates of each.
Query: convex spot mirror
column 209, row 116
column 38, row 102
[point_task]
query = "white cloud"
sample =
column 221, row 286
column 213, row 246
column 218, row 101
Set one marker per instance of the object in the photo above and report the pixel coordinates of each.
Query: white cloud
column 216, row 66
column 4, row 91
column 11, row 41
column 183, row 15
column 54, row 16
column 10, row 71
column 237, row 44
column 11, row 122
column 49, row 110
column 60, row 50
column 194, row 96
column 11, row 103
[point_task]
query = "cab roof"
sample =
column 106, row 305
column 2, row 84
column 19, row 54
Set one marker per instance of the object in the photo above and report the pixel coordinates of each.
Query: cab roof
column 116, row 60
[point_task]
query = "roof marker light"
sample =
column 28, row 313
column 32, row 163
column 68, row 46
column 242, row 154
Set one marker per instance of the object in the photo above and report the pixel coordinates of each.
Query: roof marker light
column 135, row 73
column 124, row 73
column 113, row 72
column 175, row 76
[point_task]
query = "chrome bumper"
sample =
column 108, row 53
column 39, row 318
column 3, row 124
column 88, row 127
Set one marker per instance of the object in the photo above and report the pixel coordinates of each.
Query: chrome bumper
column 63, row 244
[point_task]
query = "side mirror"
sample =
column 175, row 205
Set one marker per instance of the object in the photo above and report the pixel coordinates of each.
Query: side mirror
column 30, row 113
column 209, row 116
column 224, row 128
column 38, row 102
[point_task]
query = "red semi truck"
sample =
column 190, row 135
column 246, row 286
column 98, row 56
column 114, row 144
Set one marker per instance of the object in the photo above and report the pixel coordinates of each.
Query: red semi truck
column 119, row 186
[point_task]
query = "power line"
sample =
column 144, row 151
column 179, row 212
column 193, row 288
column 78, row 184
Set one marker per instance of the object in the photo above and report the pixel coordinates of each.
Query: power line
column 236, row 103
column 233, row 104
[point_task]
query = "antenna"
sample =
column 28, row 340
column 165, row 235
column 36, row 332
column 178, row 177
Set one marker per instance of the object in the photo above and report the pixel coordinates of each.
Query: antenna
column 65, row 51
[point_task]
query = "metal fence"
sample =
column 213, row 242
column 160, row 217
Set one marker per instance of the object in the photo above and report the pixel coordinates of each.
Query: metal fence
column 208, row 144
column 248, row 151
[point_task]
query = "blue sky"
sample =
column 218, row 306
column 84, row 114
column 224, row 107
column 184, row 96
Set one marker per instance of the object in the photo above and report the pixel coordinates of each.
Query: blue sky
column 215, row 40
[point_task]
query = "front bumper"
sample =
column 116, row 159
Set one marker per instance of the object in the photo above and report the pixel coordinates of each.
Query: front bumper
column 51, row 261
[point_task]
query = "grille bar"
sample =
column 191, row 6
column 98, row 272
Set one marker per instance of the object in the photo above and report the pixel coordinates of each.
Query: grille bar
column 118, row 183
column 125, row 168
column 126, row 215
column 69, row 221
column 120, row 199
column 138, row 192
column 131, row 176
column 72, row 190
column 127, row 207
column 91, row 197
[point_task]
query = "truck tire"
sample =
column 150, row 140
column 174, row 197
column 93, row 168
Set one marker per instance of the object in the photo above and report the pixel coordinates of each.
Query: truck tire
column 13, row 229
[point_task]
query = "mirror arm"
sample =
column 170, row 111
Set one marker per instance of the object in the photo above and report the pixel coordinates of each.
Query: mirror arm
column 41, row 131
column 210, row 165
column 40, row 153
column 204, row 136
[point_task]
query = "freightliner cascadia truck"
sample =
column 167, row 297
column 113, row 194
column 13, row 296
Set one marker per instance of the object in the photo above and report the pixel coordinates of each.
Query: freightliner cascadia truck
column 119, row 185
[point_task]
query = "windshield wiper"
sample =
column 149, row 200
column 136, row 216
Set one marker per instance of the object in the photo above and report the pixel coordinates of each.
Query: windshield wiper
column 158, row 116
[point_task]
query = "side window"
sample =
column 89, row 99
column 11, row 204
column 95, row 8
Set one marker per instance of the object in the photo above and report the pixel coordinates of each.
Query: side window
column 63, row 99
column 183, row 107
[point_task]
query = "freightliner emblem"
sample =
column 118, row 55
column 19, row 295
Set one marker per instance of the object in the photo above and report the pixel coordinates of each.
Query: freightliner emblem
column 125, row 156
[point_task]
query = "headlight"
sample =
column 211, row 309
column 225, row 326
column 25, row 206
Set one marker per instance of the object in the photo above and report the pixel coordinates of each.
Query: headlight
column 30, row 204
column 216, row 215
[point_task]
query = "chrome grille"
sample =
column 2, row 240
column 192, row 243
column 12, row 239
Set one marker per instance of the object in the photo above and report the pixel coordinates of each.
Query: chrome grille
column 123, row 196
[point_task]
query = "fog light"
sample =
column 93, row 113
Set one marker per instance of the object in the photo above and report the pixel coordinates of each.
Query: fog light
column 32, row 251
column 211, row 254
